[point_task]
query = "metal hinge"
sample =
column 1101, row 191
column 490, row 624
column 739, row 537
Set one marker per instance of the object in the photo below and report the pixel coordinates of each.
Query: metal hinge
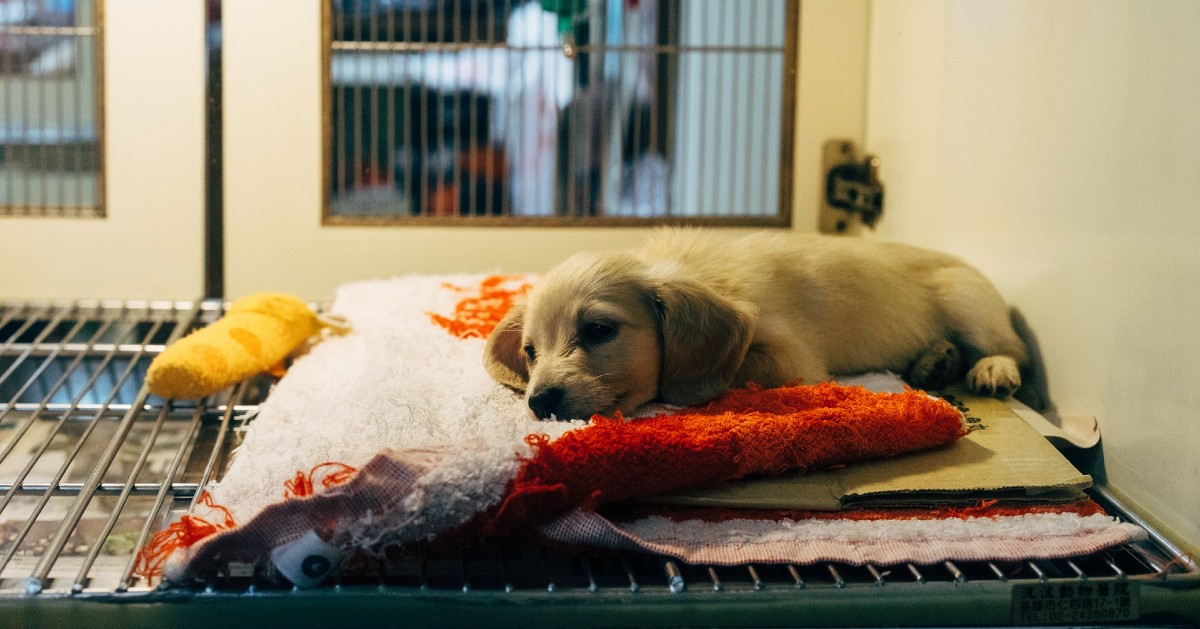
column 853, row 195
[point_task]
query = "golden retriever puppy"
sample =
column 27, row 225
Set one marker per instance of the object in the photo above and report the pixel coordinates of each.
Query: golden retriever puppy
column 693, row 313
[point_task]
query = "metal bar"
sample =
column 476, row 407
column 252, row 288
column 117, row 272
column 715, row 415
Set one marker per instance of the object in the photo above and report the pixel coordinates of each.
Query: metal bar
column 1077, row 570
column 1178, row 556
column 599, row 65
column 96, row 44
column 60, row 161
column 423, row 571
column 41, row 348
column 389, row 163
column 506, row 572
column 797, row 581
column 733, row 23
column 1000, row 576
column 876, row 574
column 1037, row 570
column 356, row 131
column 712, row 121
column 717, row 586
column 464, row 142
column 754, row 578
column 41, row 163
column 1160, row 568
column 114, row 408
column 412, row 134
column 838, row 581
column 79, row 48
column 443, row 47
column 633, row 584
column 917, row 576
column 675, row 581
column 558, row 221
column 431, row 134
column 371, row 143
column 591, row 576
column 341, row 111
column 551, row 585
column 27, row 106
column 464, row 571
column 756, row 130
column 105, row 489
column 443, row 144
column 47, row 31
column 1117, row 571
column 256, row 576
column 7, row 204
column 214, row 170
column 239, row 392
column 958, row 575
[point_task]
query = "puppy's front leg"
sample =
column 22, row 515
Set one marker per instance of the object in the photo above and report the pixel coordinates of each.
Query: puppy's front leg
column 768, row 366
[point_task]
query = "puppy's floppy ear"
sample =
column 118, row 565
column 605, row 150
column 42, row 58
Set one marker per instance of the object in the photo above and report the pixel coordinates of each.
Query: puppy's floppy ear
column 705, row 338
column 502, row 355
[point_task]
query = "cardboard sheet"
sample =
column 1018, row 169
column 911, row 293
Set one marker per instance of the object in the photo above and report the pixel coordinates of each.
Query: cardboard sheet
column 1002, row 458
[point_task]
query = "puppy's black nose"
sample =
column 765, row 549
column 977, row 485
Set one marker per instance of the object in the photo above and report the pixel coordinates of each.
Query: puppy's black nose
column 545, row 403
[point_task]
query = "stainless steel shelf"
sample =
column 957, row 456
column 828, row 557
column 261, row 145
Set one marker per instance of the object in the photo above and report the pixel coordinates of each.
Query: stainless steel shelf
column 91, row 465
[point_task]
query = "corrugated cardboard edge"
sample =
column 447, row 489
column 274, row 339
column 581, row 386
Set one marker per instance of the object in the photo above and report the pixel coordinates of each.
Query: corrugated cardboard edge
column 1003, row 458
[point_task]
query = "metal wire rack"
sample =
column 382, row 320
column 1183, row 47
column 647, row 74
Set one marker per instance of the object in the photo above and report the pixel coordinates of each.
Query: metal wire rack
column 91, row 465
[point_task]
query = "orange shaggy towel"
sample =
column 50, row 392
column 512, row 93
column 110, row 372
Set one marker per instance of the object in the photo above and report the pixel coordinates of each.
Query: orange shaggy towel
column 746, row 432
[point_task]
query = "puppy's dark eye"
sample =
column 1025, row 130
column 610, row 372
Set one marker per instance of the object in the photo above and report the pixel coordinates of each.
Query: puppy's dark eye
column 595, row 332
column 530, row 353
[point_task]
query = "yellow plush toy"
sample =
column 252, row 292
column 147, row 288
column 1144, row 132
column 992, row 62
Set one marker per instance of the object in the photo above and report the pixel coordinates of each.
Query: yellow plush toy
column 255, row 335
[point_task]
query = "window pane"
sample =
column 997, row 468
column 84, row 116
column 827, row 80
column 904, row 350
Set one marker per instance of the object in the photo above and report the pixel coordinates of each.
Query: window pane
column 49, row 144
column 559, row 110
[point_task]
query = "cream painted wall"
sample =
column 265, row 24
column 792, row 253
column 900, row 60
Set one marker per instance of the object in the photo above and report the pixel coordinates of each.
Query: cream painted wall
column 1057, row 146
column 150, row 244
column 274, row 239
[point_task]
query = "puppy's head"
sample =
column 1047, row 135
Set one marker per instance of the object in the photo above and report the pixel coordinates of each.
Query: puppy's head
column 601, row 334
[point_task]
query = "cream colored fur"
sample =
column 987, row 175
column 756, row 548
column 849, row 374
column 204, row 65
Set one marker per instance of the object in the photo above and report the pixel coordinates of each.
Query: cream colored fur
column 692, row 313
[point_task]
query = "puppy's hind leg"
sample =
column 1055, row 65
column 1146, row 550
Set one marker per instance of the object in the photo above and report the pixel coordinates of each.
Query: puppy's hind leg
column 996, row 375
column 936, row 367
column 979, row 320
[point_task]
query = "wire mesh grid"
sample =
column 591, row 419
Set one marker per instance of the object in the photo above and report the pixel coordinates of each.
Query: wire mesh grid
column 50, row 108
column 91, row 465
column 511, row 112
column 90, row 462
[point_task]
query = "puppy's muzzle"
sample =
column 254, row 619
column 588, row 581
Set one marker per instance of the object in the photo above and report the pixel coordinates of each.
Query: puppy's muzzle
column 546, row 402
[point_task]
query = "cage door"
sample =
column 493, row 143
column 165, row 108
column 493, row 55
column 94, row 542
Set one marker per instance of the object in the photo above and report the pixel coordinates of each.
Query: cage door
column 102, row 167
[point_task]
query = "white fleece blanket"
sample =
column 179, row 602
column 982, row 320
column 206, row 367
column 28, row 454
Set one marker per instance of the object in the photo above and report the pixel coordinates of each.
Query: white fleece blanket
column 398, row 380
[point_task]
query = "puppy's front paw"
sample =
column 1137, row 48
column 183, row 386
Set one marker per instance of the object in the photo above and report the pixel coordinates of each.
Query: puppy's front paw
column 936, row 366
column 996, row 376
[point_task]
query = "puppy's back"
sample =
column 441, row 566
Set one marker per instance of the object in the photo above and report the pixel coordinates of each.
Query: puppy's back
column 854, row 302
